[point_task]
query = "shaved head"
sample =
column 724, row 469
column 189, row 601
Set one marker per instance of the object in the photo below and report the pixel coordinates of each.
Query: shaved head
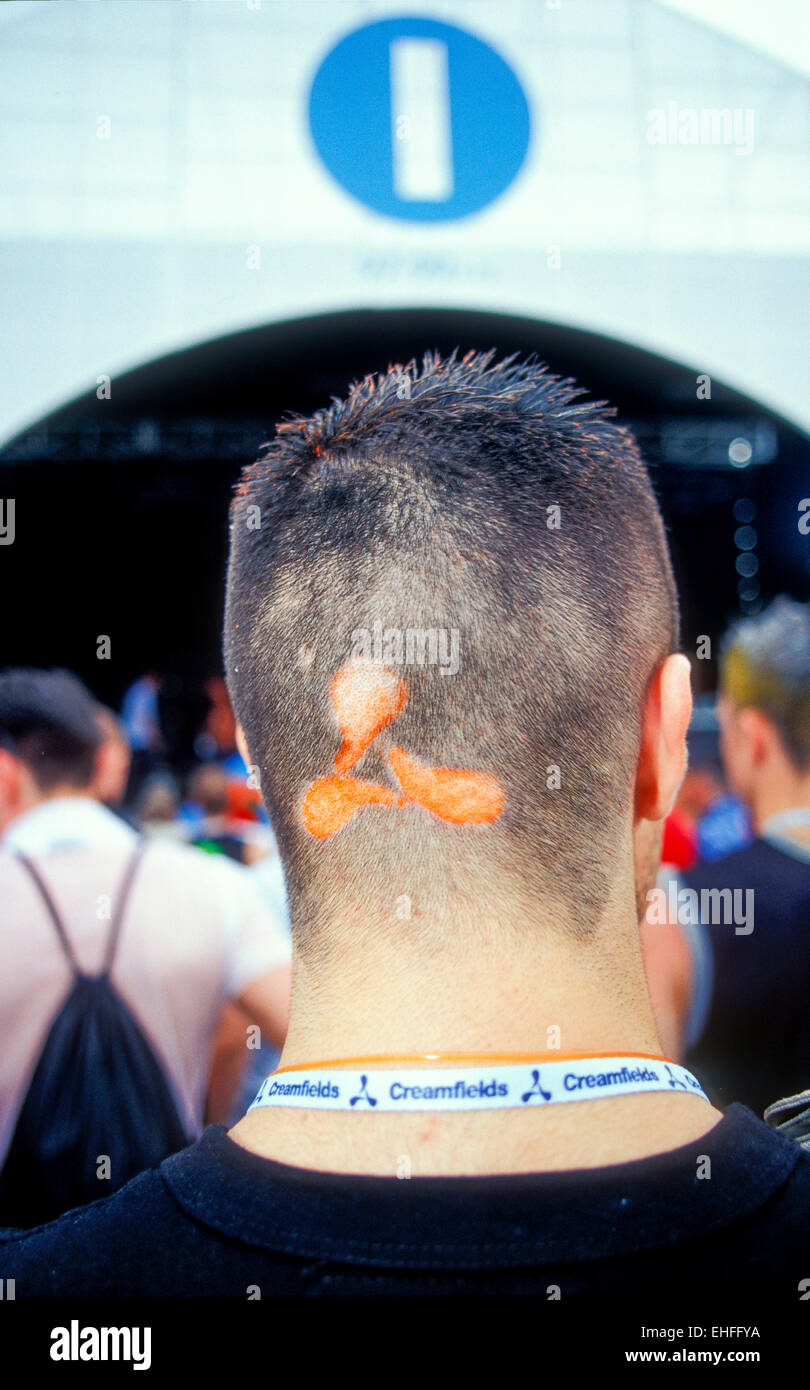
column 492, row 546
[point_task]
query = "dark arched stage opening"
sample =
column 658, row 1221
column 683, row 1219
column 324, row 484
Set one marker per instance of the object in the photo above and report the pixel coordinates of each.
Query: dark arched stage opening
column 121, row 504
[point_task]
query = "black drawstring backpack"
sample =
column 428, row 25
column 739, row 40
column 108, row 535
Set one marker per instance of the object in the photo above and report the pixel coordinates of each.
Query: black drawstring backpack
column 97, row 1092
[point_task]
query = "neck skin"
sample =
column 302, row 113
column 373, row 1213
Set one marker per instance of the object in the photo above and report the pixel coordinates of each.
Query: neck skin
column 784, row 789
column 523, row 980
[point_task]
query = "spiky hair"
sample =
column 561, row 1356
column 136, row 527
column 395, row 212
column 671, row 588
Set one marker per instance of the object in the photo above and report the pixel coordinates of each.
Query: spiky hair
column 446, row 389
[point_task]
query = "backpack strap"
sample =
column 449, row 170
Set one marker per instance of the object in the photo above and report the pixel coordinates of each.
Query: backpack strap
column 121, row 903
column 118, row 915
column 29, row 865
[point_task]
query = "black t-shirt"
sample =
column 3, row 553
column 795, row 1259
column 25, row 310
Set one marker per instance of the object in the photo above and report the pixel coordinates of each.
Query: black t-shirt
column 729, row 1213
column 755, row 1046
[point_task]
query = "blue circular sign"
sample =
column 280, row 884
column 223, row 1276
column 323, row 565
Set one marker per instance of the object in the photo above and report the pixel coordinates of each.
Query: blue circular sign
column 419, row 120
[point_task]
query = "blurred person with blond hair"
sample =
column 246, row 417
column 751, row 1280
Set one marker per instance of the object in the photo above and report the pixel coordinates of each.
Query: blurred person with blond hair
column 754, row 1045
column 729, row 967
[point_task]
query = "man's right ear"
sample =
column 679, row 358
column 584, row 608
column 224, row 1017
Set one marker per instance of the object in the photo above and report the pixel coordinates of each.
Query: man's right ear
column 662, row 756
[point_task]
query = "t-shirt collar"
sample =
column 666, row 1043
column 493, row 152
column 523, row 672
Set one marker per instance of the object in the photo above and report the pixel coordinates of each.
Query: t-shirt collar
column 65, row 823
column 583, row 1214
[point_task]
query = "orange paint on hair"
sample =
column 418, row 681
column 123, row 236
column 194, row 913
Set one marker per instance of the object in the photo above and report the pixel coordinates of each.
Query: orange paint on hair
column 366, row 697
column 332, row 801
column 461, row 797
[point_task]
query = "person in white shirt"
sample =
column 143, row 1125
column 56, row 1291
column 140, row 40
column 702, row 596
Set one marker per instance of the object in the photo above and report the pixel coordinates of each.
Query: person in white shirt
column 195, row 932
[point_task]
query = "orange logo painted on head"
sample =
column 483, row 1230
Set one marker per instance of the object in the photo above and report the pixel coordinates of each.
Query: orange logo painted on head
column 463, row 798
column 332, row 801
column 366, row 698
